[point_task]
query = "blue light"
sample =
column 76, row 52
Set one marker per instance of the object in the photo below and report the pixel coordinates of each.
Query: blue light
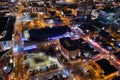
column 66, row 72
column 54, row 38
column 30, row 47
column 109, row 48
column 58, row 37
column 17, row 49
column 25, row 39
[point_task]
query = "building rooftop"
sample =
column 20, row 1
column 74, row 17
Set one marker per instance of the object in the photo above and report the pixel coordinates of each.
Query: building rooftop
column 48, row 32
column 106, row 66
column 68, row 44
column 7, row 24
column 38, row 60
column 104, row 34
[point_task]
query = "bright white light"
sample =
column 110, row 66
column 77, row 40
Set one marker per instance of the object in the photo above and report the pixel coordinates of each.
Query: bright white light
column 103, row 28
column 11, row 61
column 62, row 13
column 118, row 30
column 51, row 21
column 12, row 0
column 41, row 12
column 50, row 26
column 14, row 64
column 5, row 68
column 87, row 30
column 119, row 44
column 64, row 76
column 113, row 39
